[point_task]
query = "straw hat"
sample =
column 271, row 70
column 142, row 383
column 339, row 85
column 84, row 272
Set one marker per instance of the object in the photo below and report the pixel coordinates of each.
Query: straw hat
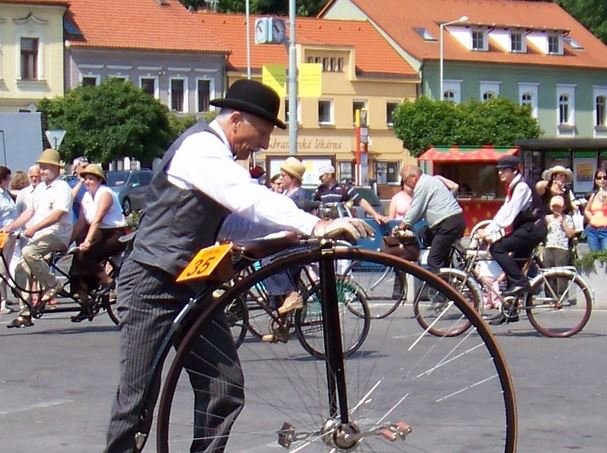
column 294, row 168
column 50, row 157
column 93, row 169
column 547, row 175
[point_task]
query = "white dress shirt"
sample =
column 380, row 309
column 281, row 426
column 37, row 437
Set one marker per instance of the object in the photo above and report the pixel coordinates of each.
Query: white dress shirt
column 206, row 163
column 504, row 218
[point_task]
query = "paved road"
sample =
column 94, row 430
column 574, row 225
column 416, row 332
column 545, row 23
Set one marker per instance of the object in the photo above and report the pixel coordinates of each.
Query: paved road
column 57, row 379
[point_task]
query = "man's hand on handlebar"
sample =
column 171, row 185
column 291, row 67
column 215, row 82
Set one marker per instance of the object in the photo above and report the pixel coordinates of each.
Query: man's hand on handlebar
column 345, row 227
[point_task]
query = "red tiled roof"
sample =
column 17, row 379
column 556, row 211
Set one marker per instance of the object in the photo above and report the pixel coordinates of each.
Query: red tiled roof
column 37, row 2
column 374, row 56
column 398, row 18
column 142, row 25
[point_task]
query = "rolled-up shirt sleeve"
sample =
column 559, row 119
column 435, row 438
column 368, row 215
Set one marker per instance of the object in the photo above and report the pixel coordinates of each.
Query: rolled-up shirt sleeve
column 205, row 163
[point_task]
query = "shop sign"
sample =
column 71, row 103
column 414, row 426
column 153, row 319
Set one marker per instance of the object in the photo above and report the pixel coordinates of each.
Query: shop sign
column 311, row 144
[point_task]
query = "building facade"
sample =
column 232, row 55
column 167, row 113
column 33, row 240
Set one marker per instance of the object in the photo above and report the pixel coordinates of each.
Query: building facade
column 31, row 52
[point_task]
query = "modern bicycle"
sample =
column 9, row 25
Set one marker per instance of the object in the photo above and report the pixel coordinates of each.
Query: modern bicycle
column 404, row 391
column 558, row 303
column 67, row 299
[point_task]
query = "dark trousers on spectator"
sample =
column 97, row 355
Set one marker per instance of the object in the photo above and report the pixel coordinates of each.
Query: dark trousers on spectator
column 444, row 236
column 148, row 301
column 512, row 250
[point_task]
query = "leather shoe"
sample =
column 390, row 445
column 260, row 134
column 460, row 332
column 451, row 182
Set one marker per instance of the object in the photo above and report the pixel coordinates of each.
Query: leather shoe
column 503, row 319
column 21, row 321
column 515, row 290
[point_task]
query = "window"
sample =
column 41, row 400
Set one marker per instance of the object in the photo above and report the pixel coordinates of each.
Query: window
column 386, row 172
column 89, row 81
column 599, row 111
column 563, row 109
column 449, row 96
column 329, row 64
column 554, row 44
column 288, row 110
column 29, row 58
column 489, row 90
column 148, row 85
column 346, row 171
column 203, row 94
column 479, row 41
column 390, row 109
column 325, row 112
column 516, row 42
column 177, row 94
column 357, row 105
column 528, row 94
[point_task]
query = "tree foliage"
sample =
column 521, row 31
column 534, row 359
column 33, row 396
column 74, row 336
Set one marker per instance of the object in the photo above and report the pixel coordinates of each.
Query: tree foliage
column 591, row 13
column 276, row 7
column 109, row 121
column 425, row 122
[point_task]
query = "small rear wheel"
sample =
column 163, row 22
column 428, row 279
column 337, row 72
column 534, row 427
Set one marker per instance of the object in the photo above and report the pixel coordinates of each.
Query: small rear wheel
column 236, row 316
column 437, row 314
column 353, row 314
column 559, row 303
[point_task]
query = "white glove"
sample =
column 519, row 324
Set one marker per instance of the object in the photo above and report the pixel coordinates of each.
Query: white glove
column 345, row 227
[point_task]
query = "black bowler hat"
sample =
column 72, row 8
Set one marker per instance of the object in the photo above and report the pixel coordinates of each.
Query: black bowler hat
column 252, row 97
column 508, row 162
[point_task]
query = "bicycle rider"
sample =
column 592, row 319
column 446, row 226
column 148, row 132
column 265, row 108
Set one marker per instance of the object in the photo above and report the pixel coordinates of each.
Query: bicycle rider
column 517, row 228
column 192, row 191
column 433, row 199
column 49, row 227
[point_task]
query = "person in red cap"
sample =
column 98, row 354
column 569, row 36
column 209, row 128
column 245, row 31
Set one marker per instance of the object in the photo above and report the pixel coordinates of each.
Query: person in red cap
column 194, row 188
column 517, row 228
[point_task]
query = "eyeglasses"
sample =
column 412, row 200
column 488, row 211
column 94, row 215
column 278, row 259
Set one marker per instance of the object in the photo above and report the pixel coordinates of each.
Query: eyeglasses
column 601, row 177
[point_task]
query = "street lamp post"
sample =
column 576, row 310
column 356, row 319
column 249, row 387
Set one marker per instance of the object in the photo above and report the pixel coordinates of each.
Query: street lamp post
column 442, row 51
column 292, row 77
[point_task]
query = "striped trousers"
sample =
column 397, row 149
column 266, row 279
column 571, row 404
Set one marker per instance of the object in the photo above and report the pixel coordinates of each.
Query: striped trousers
column 148, row 301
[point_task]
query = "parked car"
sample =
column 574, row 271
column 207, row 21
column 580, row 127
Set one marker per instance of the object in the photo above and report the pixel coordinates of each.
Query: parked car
column 130, row 186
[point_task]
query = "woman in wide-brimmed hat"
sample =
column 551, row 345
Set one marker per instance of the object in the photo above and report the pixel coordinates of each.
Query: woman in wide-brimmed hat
column 556, row 181
column 100, row 225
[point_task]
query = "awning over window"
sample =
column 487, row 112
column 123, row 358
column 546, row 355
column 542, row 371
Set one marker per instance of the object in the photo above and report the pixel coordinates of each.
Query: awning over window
column 467, row 153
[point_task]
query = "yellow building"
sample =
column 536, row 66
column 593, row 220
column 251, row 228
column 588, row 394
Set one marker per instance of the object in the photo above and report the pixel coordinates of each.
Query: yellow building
column 358, row 70
column 31, row 52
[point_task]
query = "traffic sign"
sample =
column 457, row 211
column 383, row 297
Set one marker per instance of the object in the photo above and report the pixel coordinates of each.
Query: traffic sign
column 55, row 137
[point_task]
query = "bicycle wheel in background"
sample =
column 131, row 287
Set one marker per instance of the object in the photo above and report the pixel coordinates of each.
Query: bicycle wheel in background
column 437, row 314
column 455, row 393
column 108, row 302
column 559, row 303
column 353, row 314
column 385, row 287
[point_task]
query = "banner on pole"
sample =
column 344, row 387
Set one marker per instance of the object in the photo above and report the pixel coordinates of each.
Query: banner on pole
column 310, row 80
column 274, row 76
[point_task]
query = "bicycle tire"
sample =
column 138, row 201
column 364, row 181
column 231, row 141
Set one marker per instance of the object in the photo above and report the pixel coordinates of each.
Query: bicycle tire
column 309, row 325
column 554, row 315
column 107, row 304
column 438, row 315
column 382, row 304
column 430, row 380
column 236, row 315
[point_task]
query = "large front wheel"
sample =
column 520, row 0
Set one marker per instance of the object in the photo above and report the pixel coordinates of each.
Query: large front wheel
column 403, row 390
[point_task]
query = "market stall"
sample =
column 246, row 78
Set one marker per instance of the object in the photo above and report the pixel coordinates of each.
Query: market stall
column 473, row 168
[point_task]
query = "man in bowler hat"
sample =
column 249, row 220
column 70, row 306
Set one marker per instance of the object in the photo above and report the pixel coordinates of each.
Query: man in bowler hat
column 517, row 228
column 197, row 184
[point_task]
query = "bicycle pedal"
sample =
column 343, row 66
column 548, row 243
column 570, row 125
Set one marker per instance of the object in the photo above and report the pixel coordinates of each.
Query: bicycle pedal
column 397, row 431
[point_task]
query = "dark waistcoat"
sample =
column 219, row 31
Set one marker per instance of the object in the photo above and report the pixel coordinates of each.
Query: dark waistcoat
column 176, row 223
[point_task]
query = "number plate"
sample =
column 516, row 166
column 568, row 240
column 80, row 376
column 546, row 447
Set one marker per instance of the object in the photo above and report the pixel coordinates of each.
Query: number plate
column 205, row 262
column 3, row 240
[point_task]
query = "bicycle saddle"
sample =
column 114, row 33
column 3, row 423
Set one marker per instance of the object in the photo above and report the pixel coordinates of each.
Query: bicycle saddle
column 263, row 247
